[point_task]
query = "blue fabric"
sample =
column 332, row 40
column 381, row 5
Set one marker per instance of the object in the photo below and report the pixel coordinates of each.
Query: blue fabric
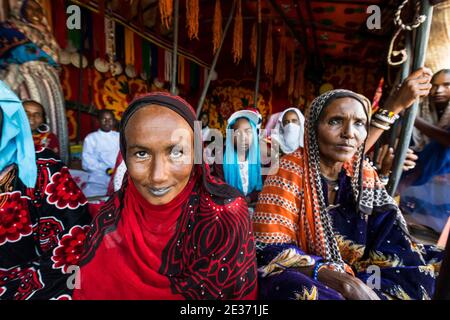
column 25, row 53
column 10, row 37
column 231, row 166
column 17, row 49
column 16, row 142
column 425, row 192
column 433, row 160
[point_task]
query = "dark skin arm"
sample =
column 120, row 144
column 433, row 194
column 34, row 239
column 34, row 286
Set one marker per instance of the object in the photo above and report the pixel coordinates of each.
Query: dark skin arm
column 440, row 135
column 415, row 86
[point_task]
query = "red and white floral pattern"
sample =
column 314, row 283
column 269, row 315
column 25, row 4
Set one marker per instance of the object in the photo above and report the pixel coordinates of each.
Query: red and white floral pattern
column 14, row 218
column 63, row 192
column 30, row 281
column 69, row 248
column 47, row 232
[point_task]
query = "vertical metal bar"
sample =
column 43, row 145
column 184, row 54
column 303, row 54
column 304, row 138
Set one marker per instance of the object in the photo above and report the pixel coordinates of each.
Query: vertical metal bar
column 258, row 55
column 420, row 46
column 376, row 151
column 406, row 69
column 214, row 63
column 173, row 78
column 80, row 81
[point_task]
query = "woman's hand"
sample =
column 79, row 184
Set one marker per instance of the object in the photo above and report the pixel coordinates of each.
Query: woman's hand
column 417, row 85
column 386, row 165
column 410, row 161
column 350, row 287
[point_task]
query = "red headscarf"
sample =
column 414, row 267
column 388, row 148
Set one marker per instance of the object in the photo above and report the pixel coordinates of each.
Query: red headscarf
column 198, row 246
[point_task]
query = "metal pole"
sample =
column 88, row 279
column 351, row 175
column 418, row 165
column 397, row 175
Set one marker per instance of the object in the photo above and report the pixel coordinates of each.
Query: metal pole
column 80, row 83
column 214, row 63
column 376, row 151
column 258, row 55
column 423, row 34
column 406, row 66
column 173, row 78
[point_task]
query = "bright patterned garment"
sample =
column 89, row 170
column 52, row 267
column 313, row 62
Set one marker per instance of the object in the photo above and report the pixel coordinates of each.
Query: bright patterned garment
column 42, row 231
column 46, row 140
column 363, row 233
column 407, row 270
column 199, row 245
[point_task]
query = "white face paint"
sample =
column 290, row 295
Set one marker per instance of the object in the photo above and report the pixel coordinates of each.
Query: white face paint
column 291, row 134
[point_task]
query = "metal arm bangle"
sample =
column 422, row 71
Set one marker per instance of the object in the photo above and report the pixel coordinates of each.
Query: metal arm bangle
column 379, row 125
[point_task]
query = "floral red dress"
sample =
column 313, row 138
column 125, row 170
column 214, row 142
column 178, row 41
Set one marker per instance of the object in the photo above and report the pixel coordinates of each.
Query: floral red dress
column 46, row 140
column 42, row 231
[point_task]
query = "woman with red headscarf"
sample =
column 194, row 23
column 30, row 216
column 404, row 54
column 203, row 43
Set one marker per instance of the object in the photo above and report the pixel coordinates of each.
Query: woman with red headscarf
column 172, row 231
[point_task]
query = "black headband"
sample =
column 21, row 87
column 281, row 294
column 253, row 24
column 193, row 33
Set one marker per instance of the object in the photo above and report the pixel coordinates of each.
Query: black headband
column 174, row 103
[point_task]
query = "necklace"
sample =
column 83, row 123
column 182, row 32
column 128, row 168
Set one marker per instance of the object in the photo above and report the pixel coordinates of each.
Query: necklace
column 334, row 184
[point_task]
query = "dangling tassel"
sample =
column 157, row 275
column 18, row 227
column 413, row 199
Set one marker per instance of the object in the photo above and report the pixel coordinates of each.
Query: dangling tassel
column 253, row 45
column 238, row 34
column 268, row 57
column 292, row 72
column 280, row 75
column 166, row 11
column 217, row 26
column 192, row 12
column 129, row 47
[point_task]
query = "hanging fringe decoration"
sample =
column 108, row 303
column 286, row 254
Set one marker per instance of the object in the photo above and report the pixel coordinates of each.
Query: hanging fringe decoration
column 181, row 70
column 280, row 75
column 254, row 45
column 129, row 47
column 238, row 34
column 192, row 12
column 268, row 57
column 292, row 71
column 166, row 12
column 299, row 82
column 217, row 27
column 167, row 65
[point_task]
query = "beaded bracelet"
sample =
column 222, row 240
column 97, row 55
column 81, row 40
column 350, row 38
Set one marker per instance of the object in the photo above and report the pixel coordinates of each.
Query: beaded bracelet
column 317, row 268
column 384, row 179
column 379, row 125
column 386, row 116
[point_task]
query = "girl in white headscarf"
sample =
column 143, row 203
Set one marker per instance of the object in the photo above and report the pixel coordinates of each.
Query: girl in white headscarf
column 288, row 131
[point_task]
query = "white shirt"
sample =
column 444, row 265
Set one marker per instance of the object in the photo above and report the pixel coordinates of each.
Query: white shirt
column 243, row 170
column 100, row 151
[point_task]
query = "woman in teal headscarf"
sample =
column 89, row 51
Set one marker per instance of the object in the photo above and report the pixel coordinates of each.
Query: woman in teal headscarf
column 242, row 159
column 43, row 214
column 16, row 142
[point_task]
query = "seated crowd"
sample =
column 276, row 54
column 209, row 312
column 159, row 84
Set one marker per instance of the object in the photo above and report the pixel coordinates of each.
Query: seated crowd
column 319, row 225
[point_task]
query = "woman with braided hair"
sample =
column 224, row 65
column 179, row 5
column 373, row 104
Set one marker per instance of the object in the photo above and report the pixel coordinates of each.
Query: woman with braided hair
column 326, row 228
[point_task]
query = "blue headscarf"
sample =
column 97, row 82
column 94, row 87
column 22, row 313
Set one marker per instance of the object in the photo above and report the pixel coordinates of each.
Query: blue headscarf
column 16, row 142
column 231, row 170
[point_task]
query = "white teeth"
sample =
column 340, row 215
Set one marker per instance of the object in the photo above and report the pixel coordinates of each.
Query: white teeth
column 159, row 192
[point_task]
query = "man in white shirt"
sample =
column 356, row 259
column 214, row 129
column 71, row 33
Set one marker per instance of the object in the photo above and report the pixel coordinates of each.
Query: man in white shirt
column 100, row 149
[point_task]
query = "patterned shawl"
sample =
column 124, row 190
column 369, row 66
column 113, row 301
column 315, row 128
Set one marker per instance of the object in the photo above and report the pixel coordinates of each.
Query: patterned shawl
column 292, row 208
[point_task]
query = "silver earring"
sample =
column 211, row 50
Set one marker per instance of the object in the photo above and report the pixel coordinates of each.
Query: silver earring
column 43, row 128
